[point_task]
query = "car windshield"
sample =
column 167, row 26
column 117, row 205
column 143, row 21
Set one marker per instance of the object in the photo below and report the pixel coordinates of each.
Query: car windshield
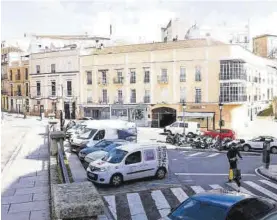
column 88, row 133
column 115, row 156
column 111, row 146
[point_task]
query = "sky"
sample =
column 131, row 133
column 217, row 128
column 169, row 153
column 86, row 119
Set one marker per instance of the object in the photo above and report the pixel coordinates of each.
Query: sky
column 130, row 19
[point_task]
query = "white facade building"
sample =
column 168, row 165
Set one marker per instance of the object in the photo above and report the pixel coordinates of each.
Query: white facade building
column 54, row 82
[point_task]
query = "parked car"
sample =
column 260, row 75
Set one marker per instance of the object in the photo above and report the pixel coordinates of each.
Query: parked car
column 86, row 118
column 225, row 133
column 219, row 206
column 178, row 127
column 98, row 146
column 128, row 162
column 257, row 143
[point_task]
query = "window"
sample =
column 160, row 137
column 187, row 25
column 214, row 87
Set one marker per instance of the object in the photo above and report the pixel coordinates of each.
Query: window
column 198, row 95
column 187, row 210
column 69, row 88
column 175, row 125
column 11, row 90
column 149, row 155
column 104, row 77
column 182, row 125
column 19, row 90
column 53, row 88
column 133, row 96
column 182, row 94
column 38, row 68
column 38, row 89
column 26, row 74
column 11, row 75
column 147, row 96
column 105, row 95
column 119, row 76
column 18, row 75
column 146, row 75
column 100, row 135
column 197, row 73
column 132, row 76
column 53, row 68
column 133, row 158
column 89, row 96
column 120, row 96
column 164, row 75
column 27, row 89
column 182, row 74
column 89, row 78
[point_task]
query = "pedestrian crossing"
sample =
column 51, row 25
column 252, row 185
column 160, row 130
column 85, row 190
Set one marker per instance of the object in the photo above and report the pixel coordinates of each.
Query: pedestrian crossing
column 199, row 154
column 154, row 204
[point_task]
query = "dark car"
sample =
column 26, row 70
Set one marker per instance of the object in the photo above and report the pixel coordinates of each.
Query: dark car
column 223, row 206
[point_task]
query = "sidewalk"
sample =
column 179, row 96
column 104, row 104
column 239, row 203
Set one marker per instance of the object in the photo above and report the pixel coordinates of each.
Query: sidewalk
column 25, row 181
column 270, row 173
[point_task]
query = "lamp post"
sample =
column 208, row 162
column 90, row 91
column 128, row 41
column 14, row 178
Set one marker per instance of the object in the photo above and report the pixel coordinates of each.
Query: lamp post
column 184, row 109
column 220, row 123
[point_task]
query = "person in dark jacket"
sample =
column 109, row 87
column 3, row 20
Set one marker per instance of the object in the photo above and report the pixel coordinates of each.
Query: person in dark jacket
column 232, row 157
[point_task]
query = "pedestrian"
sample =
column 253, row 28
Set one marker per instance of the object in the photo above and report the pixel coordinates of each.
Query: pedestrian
column 234, row 172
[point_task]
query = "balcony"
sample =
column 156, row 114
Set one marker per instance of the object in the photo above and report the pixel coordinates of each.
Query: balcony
column 133, row 100
column 118, row 80
column 68, row 93
column 146, row 99
column 182, row 78
column 37, row 96
column 118, row 100
column 4, row 92
column 102, row 81
column 52, row 95
column 103, row 100
column 89, row 100
column 234, row 99
column 132, row 80
column 234, row 76
column 162, row 79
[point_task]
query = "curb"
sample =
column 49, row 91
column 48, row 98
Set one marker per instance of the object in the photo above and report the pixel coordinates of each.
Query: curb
column 266, row 175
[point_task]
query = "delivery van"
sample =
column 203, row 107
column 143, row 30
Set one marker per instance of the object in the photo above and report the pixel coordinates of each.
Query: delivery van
column 128, row 162
column 178, row 127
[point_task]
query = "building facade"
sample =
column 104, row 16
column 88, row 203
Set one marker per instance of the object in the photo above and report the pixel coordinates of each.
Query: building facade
column 54, row 84
column 150, row 83
column 265, row 46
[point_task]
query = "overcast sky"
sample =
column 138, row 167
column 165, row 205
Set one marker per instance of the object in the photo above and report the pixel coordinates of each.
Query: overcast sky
column 130, row 18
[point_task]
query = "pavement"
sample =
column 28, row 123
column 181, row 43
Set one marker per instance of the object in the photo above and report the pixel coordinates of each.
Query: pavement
column 24, row 178
column 270, row 173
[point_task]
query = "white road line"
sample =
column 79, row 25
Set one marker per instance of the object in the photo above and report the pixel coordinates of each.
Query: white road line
column 213, row 155
column 262, row 190
column 161, row 202
column 111, row 201
column 273, row 185
column 179, row 193
column 135, row 206
column 197, row 189
column 242, row 189
column 210, row 174
column 195, row 154
column 216, row 186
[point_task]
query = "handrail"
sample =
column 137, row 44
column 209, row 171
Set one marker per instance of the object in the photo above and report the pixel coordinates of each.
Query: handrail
column 62, row 164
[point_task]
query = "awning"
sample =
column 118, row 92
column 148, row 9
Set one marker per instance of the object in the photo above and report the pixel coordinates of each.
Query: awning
column 197, row 114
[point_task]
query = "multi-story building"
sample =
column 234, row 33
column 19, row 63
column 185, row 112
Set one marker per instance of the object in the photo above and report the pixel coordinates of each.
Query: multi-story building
column 265, row 46
column 54, row 82
column 150, row 83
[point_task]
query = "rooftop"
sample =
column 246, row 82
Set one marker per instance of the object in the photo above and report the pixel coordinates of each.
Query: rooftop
column 158, row 46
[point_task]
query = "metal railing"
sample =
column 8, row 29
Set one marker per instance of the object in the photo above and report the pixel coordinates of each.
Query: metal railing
column 61, row 163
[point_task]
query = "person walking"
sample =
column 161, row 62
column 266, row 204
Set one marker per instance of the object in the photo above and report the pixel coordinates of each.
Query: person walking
column 234, row 173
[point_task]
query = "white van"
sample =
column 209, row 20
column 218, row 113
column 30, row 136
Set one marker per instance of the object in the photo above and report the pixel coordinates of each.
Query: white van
column 99, row 129
column 178, row 127
column 128, row 162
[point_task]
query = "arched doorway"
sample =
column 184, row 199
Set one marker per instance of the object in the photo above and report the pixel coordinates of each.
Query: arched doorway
column 163, row 116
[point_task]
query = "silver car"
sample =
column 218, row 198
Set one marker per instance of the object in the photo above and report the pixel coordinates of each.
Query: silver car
column 257, row 143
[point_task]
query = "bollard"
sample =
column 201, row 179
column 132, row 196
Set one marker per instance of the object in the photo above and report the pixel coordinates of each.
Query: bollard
column 266, row 153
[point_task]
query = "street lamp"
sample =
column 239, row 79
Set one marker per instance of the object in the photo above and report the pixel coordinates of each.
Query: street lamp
column 220, row 123
column 184, row 109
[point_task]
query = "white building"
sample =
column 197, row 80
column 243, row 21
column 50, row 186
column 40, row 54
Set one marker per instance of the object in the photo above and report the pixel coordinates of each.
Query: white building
column 54, row 81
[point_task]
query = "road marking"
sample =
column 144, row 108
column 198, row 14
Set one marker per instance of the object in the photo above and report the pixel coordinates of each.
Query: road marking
column 161, row 202
column 216, row 186
column 197, row 189
column 213, row 155
column 179, row 193
column 209, row 174
column 136, row 207
column 262, row 190
column 112, row 207
column 242, row 189
column 273, row 185
column 195, row 154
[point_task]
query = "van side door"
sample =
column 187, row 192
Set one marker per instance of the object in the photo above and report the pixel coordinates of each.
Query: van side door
column 99, row 135
column 150, row 162
column 133, row 166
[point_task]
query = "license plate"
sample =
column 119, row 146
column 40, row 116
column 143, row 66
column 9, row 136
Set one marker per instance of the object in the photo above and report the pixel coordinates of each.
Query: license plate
column 91, row 175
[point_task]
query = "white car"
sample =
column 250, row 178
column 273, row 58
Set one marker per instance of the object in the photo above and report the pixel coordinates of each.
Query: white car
column 178, row 127
column 257, row 144
column 128, row 162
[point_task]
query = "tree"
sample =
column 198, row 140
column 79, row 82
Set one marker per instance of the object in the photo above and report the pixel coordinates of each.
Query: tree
column 274, row 106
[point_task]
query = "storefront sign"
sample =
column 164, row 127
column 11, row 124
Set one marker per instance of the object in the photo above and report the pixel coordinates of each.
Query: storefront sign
column 197, row 107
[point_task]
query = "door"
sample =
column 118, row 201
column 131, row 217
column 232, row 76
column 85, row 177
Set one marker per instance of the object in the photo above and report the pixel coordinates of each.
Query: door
column 150, row 162
column 134, row 166
column 257, row 143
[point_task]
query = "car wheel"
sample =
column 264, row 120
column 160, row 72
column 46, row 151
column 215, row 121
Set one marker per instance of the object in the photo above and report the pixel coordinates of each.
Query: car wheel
column 160, row 174
column 274, row 150
column 169, row 132
column 246, row 148
column 116, row 180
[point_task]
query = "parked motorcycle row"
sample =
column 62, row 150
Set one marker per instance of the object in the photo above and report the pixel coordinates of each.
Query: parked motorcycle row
column 202, row 141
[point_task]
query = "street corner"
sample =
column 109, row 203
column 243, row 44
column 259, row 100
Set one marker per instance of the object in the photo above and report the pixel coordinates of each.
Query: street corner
column 270, row 173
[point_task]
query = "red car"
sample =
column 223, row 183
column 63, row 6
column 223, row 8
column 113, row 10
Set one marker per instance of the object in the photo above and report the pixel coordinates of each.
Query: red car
column 225, row 133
